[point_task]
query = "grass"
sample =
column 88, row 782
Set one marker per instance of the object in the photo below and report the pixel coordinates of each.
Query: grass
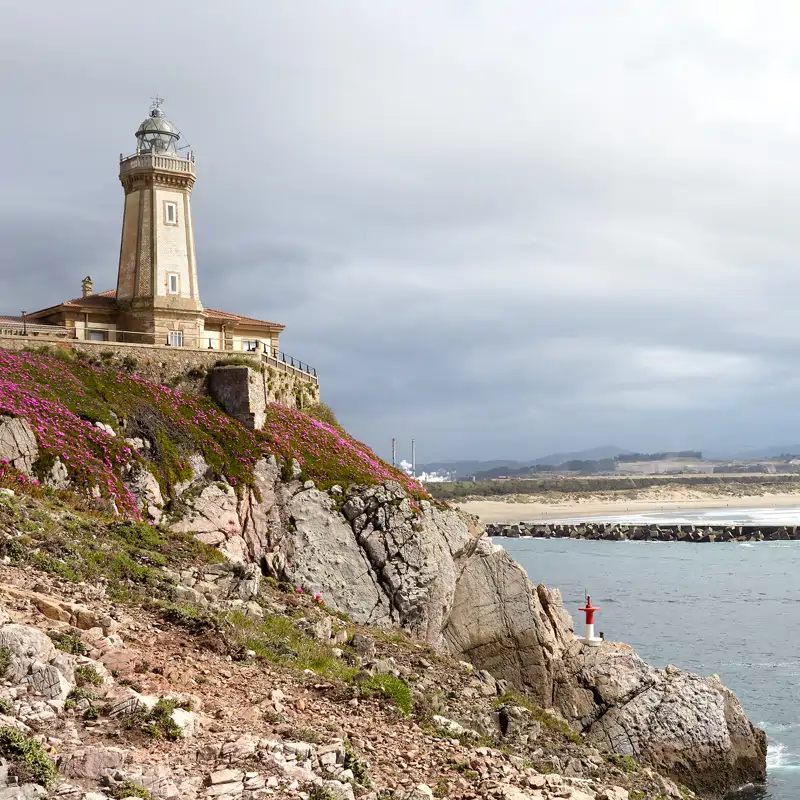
column 547, row 720
column 353, row 762
column 390, row 687
column 87, row 676
column 6, row 655
column 277, row 640
column 29, row 761
column 157, row 723
column 68, row 642
column 82, row 546
column 130, row 789
column 625, row 763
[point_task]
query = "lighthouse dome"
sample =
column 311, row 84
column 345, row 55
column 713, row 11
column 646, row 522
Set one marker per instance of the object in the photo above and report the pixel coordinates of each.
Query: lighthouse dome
column 157, row 134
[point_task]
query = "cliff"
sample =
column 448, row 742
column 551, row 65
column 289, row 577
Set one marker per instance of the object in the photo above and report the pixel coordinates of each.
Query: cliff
column 310, row 507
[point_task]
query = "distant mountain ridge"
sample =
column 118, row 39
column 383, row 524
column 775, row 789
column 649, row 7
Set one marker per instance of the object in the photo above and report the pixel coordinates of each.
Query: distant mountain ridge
column 468, row 468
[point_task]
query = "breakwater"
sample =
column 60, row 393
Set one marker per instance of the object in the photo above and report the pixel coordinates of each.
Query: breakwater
column 620, row 532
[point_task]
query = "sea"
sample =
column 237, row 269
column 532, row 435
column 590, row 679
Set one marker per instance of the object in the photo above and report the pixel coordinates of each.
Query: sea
column 726, row 609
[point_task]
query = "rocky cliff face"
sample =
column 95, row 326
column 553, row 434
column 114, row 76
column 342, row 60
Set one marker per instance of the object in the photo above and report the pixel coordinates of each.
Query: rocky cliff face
column 383, row 561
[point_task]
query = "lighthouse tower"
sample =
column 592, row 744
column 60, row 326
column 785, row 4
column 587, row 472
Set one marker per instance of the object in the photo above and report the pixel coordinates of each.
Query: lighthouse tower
column 157, row 291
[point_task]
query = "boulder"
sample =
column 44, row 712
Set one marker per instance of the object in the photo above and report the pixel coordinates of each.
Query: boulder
column 688, row 727
column 18, row 444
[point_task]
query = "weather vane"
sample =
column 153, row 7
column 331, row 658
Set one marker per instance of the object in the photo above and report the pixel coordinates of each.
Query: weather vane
column 157, row 101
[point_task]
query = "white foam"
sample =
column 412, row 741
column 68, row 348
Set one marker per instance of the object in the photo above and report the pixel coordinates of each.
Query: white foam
column 779, row 758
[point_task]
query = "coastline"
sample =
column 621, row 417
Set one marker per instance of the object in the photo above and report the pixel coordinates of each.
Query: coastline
column 595, row 507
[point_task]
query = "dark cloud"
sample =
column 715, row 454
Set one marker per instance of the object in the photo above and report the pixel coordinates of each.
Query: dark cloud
column 502, row 230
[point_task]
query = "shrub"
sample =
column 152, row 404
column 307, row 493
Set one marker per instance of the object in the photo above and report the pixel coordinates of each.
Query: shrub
column 28, row 758
column 157, row 723
column 625, row 763
column 547, row 719
column 6, row 707
column 88, row 676
column 5, row 660
column 324, row 413
column 356, row 765
column 68, row 642
column 129, row 789
column 392, row 688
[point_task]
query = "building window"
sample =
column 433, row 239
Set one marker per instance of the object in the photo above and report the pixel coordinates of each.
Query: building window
column 171, row 213
column 173, row 283
column 175, row 338
column 97, row 336
column 250, row 345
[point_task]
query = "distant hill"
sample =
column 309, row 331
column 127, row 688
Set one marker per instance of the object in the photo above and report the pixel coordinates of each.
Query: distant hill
column 493, row 468
column 766, row 452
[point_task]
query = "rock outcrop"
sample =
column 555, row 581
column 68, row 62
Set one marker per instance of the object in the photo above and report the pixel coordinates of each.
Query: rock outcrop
column 385, row 560
column 433, row 572
column 18, row 444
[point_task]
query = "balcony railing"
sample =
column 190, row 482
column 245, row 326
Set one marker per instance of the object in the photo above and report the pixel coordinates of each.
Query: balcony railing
column 156, row 161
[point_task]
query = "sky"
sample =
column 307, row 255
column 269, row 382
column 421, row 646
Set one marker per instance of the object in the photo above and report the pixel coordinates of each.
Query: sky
column 501, row 227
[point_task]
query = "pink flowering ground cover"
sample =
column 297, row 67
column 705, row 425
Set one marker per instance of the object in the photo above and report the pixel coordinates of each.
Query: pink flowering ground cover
column 62, row 396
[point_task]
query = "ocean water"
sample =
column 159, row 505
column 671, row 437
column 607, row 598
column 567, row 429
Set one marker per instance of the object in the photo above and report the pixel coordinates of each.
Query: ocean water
column 729, row 609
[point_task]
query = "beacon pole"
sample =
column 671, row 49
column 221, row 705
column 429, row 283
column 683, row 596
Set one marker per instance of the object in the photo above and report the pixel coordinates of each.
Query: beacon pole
column 589, row 610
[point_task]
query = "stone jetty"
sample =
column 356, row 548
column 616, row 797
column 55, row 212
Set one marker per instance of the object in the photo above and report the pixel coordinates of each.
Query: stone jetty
column 620, row 532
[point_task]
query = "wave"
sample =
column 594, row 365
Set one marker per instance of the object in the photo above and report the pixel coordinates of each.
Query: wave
column 779, row 758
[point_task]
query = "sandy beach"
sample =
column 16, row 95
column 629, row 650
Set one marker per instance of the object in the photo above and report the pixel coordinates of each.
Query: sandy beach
column 589, row 507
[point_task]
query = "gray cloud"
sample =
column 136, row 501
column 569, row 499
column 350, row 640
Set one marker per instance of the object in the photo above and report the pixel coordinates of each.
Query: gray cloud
column 500, row 228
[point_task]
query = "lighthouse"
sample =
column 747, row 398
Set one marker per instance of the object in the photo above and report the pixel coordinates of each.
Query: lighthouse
column 590, row 638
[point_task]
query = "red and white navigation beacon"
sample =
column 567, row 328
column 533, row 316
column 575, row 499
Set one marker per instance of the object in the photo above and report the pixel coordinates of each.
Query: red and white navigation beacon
column 590, row 639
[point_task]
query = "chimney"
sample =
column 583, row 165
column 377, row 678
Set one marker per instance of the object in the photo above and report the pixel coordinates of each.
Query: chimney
column 86, row 287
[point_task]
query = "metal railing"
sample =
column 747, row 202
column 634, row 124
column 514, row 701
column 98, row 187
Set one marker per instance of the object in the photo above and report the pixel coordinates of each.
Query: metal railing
column 275, row 357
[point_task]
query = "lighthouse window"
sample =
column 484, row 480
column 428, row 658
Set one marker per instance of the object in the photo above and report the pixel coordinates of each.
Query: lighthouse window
column 171, row 213
column 173, row 286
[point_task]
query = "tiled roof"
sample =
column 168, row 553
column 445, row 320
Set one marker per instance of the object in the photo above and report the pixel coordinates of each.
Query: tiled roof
column 108, row 300
column 101, row 300
column 214, row 315
column 18, row 322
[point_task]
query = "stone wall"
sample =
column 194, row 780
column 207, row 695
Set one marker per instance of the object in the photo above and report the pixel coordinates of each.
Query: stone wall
column 187, row 369
column 244, row 393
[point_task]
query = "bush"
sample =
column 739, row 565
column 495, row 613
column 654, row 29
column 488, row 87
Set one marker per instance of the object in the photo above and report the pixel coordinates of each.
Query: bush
column 392, row 688
column 68, row 642
column 157, row 723
column 323, row 413
column 29, row 761
column 129, row 789
column 5, row 660
column 6, row 707
column 87, row 676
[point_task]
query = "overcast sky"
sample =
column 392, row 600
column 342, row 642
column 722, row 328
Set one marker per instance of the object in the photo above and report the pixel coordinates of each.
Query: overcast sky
column 503, row 227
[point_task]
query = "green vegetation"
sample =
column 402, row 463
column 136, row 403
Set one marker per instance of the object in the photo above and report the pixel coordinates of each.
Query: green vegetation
column 744, row 484
column 392, row 688
column 277, row 640
column 316, row 792
column 29, row 761
column 88, row 676
column 129, row 789
column 307, row 735
column 68, row 642
column 322, row 412
column 356, row 765
column 6, row 707
column 157, row 723
column 80, row 546
column 625, row 763
column 463, row 768
column 442, row 788
column 547, row 719
column 5, row 660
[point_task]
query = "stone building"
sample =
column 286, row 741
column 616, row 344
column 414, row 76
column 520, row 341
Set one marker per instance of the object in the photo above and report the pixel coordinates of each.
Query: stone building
column 157, row 296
